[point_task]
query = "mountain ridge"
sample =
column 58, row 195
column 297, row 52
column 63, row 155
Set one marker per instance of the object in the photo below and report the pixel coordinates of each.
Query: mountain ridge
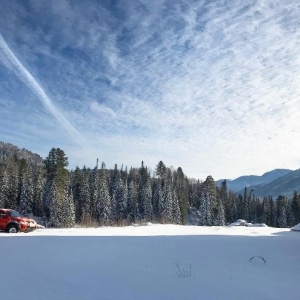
column 272, row 183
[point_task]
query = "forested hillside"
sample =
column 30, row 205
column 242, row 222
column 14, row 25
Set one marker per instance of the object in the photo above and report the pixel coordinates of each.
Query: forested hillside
column 121, row 196
column 248, row 181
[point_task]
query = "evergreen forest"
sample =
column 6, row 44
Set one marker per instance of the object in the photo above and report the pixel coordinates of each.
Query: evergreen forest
column 120, row 196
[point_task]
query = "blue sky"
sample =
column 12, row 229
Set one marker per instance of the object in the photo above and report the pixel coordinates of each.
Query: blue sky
column 211, row 86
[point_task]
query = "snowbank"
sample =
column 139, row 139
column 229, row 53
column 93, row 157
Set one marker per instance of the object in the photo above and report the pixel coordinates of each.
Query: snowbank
column 296, row 227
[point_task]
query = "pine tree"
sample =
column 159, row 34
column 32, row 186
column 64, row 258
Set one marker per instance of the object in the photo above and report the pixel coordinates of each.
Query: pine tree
column 13, row 191
column 182, row 190
column 203, row 205
column 176, row 214
column 161, row 170
column 55, row 208
column 85, row 197
column 125, row 193
column 26, row 198
column 193, row 193
column 58, row 189
column 118, row 196
column 281, row 204
column 219, row 219
column 56, row 172
column 266, row 212
column 38, row 193
column 289, row 213
column 232, row 207
column 68, row 210
column 295, row 209
column 156, row 198
column 246, row 204
column 166, row 206
column 208, row 203
column 223, row 194
column 104, row 209
column 145, row 195
column 76, row 182
column 132, row 204
column 147, row 200
column 273, row 209
column 4, row 189
column 94, row 190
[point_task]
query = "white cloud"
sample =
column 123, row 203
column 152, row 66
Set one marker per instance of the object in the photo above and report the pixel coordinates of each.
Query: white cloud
column 17, row 67
column 212, row 87
column 102, row 110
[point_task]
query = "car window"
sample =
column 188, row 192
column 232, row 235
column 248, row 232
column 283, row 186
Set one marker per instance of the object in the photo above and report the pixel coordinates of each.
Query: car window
column 15, row 214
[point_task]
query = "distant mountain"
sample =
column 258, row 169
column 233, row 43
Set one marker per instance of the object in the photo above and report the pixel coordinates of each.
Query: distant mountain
column 240, row 183
column 284, row 185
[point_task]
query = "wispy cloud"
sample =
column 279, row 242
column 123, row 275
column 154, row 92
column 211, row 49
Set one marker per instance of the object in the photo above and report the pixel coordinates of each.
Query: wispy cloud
column 17, row 67
column 212, row 86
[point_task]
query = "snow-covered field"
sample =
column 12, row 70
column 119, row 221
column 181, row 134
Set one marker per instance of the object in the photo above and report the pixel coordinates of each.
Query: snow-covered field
column 151, row 262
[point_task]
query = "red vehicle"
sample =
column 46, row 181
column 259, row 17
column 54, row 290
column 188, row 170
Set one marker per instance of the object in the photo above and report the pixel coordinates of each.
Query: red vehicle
column 12, row 222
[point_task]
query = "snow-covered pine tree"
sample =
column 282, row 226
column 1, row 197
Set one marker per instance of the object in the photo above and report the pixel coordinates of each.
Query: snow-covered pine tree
column 222, row 192
column 204, row 207
column 219, row 218
column 194, row 187
column 145, row 195
column 208, row 200
column 38, row 192
column 281, row 204
column 156, row 197
column 55, row 207
column 68, row 210
column 51, row 165
column 176, row 214
column 94, row 190
column 132, row 203
column 273, row 209
column 266, row 212
column 295, row 209
column 4, row 188
column 104, row 209
column 256, row 210
column 85, row 197
column 182, row 191
column 246, row 206
column 13, row 191
column 161, row 170
column 117, row 196
column 58, row 188
column 26, row 198
column 76, row 181
column 124, row 177
column 232, row 207
column 289, row 213
column 166, row 203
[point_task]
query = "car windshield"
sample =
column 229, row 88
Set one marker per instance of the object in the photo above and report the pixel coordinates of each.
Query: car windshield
column 15, row 214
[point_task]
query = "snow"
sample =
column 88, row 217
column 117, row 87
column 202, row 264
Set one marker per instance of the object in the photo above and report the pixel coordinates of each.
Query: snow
column 259, row 225
column 151, row 262
column 296, row 227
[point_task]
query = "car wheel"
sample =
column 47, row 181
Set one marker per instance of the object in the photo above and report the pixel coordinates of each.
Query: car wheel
column 13, row 229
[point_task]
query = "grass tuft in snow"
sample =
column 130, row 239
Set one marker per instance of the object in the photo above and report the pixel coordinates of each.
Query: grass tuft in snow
column 181, row 272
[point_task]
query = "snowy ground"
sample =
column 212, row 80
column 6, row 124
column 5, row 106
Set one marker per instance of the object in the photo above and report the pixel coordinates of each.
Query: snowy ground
column 151, row 262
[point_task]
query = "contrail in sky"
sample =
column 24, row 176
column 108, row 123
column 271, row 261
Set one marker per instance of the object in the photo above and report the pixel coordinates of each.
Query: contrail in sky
column 17, row 67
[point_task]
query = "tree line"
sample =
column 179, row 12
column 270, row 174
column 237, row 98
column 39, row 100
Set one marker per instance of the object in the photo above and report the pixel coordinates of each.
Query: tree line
column 109, row 197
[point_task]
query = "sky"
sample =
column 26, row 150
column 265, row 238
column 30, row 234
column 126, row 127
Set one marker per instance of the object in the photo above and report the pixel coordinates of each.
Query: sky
column 212, row 86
